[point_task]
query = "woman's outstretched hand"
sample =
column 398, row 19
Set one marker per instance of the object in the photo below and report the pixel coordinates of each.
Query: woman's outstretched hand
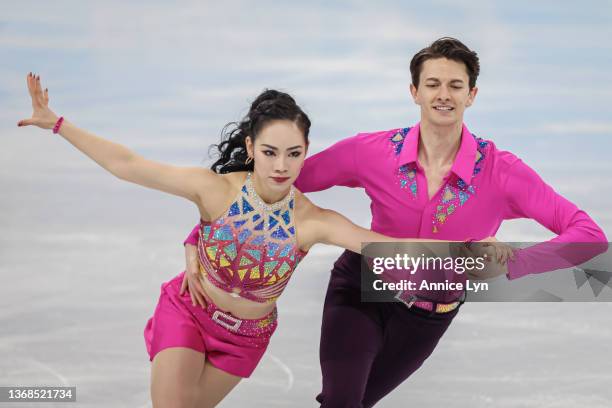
column 42, row 116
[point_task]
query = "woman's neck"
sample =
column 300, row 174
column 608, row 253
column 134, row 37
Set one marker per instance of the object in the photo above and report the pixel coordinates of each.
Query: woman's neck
column 266, row 194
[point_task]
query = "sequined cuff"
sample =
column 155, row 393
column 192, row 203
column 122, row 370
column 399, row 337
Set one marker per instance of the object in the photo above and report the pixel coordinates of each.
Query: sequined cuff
column 516, row 267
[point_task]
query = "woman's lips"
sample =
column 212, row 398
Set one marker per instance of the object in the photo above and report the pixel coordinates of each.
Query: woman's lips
column 280, row 179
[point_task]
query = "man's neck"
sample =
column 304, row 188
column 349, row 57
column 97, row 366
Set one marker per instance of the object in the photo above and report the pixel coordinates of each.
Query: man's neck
column 438, row 146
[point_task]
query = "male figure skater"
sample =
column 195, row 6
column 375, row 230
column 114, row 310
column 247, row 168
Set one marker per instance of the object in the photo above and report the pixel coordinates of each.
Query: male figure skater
column 432, row 180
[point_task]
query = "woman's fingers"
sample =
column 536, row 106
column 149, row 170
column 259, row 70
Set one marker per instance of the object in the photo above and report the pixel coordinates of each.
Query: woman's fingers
column 192, row 283
column 30, row 82
column 26, row 122
column 196, row 288
column 200, row 299
column 494, row 250
column 507, row 253
column 39, row 92
column 183, row 285
column 42, row 116
column 195, row 295
column 502, row 254
column 35, row 90
column 494, row 253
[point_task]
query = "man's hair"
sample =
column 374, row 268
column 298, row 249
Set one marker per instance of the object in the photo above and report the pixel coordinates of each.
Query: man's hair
column 450, row 48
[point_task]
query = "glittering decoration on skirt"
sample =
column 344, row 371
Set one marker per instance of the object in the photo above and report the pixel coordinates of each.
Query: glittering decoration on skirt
column 251, row 251
column 456, row 193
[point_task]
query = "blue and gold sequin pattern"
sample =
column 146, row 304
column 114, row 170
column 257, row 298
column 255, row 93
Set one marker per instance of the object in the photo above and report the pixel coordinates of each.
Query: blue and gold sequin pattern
column 251, row 251
column 406, row 174
column 457, row 193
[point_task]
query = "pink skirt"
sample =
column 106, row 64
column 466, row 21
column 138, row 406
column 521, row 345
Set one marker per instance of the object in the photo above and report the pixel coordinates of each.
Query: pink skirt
column 232, row 345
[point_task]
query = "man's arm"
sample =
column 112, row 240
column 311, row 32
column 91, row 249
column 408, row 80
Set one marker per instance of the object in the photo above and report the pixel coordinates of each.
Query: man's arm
column 528, row 196
column 338, row 165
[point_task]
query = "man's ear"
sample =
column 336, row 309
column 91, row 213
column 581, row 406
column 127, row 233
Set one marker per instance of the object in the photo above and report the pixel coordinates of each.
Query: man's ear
column 472, row 96
column 413, row 92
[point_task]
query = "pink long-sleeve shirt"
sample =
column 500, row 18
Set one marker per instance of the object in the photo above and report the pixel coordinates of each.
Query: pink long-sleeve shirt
column 484, row 187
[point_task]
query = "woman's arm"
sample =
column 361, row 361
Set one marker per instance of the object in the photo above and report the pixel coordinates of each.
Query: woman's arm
column 186, row 182
column 318, row 225
column 329, row 227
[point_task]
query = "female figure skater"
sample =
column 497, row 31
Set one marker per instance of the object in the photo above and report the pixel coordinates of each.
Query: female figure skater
column 255, row 229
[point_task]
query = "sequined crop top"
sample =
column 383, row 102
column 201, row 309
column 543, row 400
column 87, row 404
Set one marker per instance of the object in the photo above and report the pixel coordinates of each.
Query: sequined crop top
column 251, row 251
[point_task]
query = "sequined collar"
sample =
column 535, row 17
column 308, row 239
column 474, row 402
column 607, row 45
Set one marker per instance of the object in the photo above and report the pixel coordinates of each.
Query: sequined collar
column 259, row 202
column 406, row 146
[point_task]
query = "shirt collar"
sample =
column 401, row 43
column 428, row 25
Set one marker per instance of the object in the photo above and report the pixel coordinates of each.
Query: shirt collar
column 463, row 166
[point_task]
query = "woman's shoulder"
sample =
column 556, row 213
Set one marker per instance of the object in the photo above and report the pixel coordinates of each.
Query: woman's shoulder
column 235, row 179
column 305, row 215
column 219, row 196
column 302, row 202
column 304, row 208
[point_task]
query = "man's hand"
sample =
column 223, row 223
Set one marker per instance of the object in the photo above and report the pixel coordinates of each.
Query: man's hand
column 496, row 256
column 191, row 280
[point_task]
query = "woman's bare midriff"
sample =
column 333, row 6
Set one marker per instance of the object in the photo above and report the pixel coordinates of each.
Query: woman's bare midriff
column 239, row 307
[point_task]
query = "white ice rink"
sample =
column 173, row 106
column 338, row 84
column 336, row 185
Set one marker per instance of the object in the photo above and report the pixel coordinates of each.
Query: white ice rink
column 73, row 308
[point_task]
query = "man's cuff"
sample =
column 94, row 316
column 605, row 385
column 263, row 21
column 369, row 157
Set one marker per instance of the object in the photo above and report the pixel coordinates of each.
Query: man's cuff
column 517, row 268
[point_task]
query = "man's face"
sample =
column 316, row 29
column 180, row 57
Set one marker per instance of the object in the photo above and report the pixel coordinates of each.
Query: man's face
column 443, row 92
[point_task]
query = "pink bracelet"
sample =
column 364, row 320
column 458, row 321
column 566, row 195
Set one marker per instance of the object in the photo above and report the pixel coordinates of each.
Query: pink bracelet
column 58, row 124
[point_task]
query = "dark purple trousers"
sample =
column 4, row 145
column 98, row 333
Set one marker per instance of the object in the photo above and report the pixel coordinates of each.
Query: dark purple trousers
column 368, row 349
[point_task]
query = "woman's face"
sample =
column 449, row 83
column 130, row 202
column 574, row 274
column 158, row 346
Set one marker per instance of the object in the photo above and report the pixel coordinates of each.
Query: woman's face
column 278, row 154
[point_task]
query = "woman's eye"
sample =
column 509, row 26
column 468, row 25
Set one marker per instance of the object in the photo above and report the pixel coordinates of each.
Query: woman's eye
column 268, row 152
column 295, row 154
column 457, row 87
column 430, row 86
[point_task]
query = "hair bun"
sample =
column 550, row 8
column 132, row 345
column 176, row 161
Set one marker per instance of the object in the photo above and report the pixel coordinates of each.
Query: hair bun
column 268, row 98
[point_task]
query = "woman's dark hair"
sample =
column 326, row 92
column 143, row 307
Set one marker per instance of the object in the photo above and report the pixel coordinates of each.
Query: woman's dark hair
column 450, row 48
column 270, row 105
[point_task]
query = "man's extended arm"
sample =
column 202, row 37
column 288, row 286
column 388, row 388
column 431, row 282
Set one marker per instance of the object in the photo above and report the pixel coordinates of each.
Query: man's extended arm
column 528, row 196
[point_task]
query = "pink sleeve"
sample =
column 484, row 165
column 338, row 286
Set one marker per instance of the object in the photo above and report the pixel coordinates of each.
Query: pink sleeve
column 335, row 166
column 528, row 196
column 192, row 238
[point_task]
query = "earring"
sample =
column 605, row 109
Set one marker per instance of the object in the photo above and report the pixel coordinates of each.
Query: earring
column 248, row 160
